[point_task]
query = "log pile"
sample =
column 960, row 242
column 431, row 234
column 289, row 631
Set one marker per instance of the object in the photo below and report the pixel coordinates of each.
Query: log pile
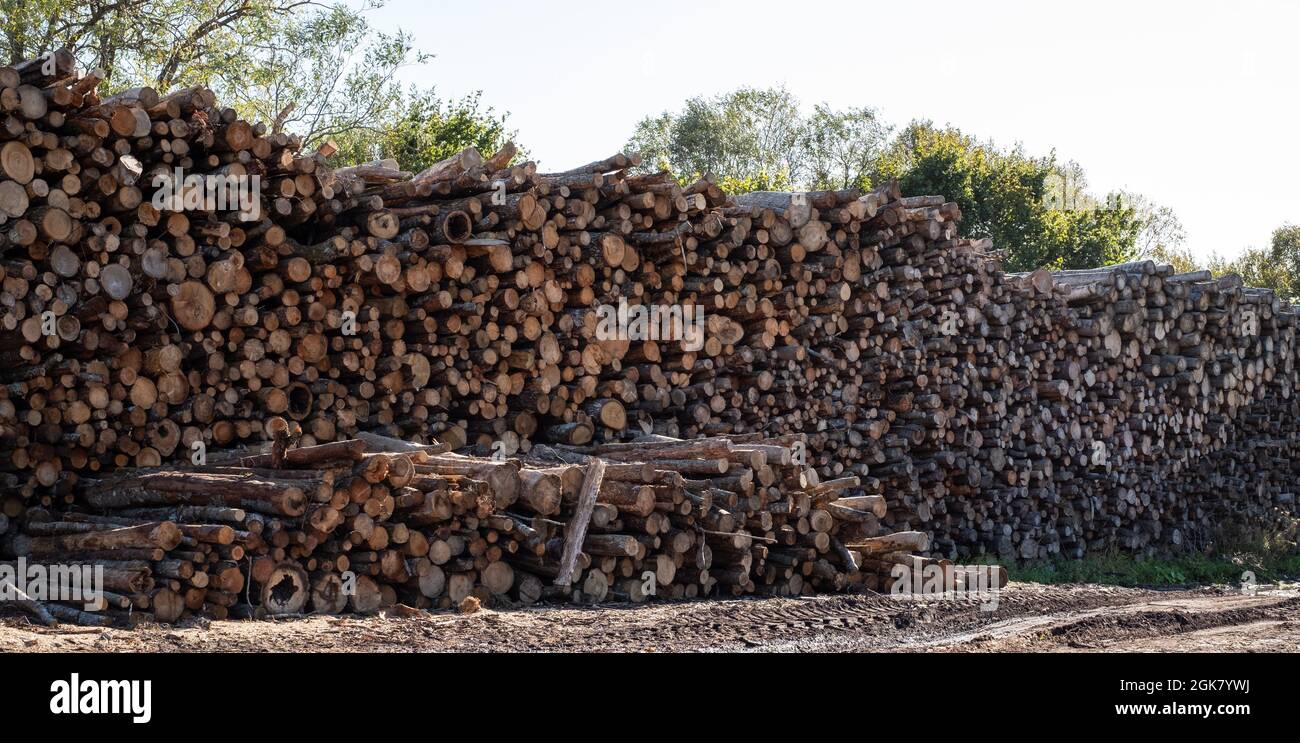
column 1021, row 416
column 129, row 330
column 1141, row 409
column 363, row 299
column 363, row 525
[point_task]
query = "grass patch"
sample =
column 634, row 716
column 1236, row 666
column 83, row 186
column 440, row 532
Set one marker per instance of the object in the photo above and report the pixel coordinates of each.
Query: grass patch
column 1126, row 570
column 1271, row 558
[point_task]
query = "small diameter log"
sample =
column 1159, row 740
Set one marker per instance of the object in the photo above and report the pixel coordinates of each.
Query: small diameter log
column 903, row 541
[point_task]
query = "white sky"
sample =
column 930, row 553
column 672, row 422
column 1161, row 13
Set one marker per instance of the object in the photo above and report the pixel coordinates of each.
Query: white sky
column 1194, row 104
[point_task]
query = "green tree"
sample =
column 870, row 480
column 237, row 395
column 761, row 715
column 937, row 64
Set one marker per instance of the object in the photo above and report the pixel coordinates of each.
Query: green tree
column 160, row 43
column 322, row 75
column 758, row 140
column 1285, row 254
column 1096, row 235
column 424, row 129
column 1162, row 232
column 748, row 136
column 1276, row 267
column 839, row 148
column 318, row 70
column 1035, row 210
column 1257, row 268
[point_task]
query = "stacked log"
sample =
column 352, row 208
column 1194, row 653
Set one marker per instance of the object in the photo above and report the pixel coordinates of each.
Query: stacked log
column 133, row 299
column 1021, row 416
column 417, row 303
column 363, row 525
column 1139, row 399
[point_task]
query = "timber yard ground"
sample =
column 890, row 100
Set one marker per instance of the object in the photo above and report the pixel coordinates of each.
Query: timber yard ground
column 1030, row 617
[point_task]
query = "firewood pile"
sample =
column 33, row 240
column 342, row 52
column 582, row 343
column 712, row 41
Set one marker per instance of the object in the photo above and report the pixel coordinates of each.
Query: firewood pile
column 364, row 525
column 1139, row 408
column 508, row 313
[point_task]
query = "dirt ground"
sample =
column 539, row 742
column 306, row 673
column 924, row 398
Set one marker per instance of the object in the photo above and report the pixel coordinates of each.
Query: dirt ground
column 1029, row 617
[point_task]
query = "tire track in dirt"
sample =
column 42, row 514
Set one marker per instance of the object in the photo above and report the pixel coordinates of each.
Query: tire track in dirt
column 1027, row 617
column 1128, row 624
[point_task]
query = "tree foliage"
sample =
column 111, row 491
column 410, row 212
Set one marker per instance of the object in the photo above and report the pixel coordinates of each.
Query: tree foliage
column 1285, row 253
column 321, row 75
column 160, row 43
column 1162, row 231
column 315, row 69
column 1276, row 267
column 758, row 139
column 839, row 148
column 425, row 129
column 1035, row 209
column 1180, row 258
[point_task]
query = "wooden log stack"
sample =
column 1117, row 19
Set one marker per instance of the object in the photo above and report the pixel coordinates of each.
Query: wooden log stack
column 1144, row 410
column 363, row 525
column 130, row 330
column 1021, row 416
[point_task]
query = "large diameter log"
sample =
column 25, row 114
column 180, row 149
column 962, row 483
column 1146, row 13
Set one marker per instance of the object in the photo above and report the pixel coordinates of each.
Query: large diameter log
column 17, row 163
column 13, row 199
column 164, row 535
column 327, row 594
column 116, row 281
column 528, row 587
column 383, row 225
column 872, row 503
column 286, row 590
column 502, row 477
column 498, row 577
column 595, row 586
column 630, row 497
column 432, row 582
column 193, row 305
column 541, row 490
column 167, row 605
column 618, row 545
column 366, row 597
column 608, row 412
